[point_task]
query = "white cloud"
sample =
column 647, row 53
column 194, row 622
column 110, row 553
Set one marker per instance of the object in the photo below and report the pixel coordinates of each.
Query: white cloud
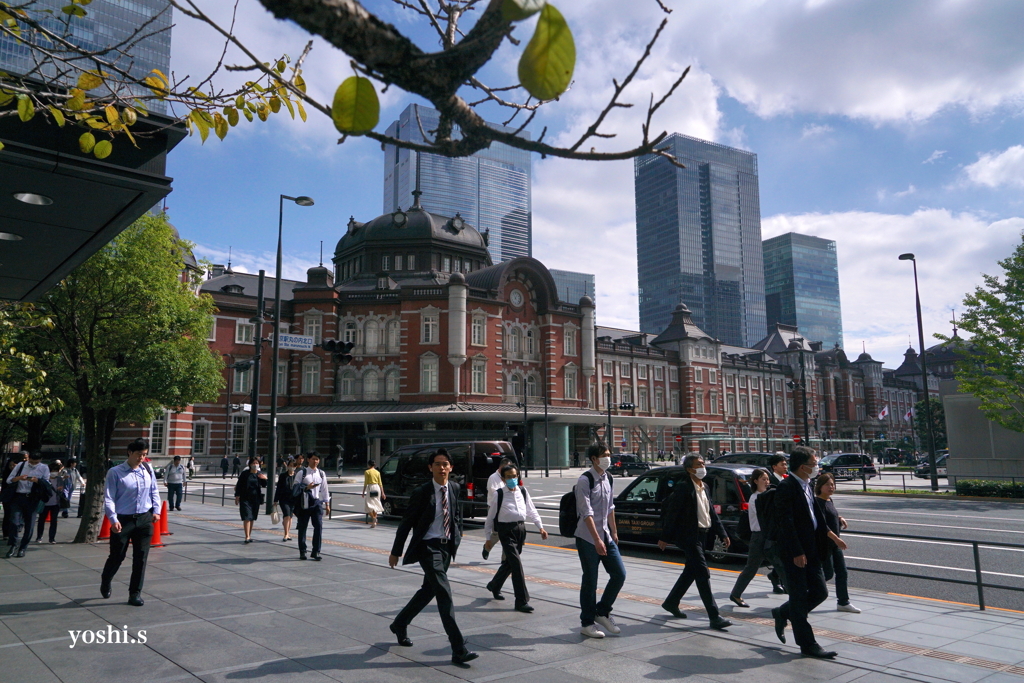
column 935, row 156
column 293, row 266
column 995, row 170
column 812, row 130
column 904, row 193
column 877, row 290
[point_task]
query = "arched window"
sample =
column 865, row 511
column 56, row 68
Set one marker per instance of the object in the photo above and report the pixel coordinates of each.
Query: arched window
column 348, row 385
column 515, row 340
column 515, row 389
column 391, row 385
column 372, row 336
column 394, row 336
column 351, row 333
column 531, row 346
column 531, row 387
column 370, row 386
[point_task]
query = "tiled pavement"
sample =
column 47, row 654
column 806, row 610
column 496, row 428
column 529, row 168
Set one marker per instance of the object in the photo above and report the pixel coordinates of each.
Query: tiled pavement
column 219, row 610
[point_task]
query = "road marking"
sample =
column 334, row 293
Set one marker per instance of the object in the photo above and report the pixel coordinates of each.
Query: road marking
column 934, row 566
column 962, row 544
column 936, row 526
column 941, row 514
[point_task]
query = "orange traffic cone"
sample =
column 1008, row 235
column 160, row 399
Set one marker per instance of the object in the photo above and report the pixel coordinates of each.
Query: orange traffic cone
column 104, row 529
column 163, row 520
column 154, row 542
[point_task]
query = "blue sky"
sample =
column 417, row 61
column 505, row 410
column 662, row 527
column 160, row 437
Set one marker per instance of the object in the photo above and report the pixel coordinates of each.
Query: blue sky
column 888, row 127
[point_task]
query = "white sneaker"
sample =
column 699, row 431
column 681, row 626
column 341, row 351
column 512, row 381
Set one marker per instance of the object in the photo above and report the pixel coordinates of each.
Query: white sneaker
column 608, row 625
column 848, row 608
column 592, row 631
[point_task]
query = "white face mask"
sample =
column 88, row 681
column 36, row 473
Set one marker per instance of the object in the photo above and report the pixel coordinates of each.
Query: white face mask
column 700, row 472
column 814, row 471
column 604, row 462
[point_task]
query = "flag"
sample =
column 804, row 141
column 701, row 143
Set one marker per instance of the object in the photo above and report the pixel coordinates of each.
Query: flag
column 909, row 417
column 885, row 412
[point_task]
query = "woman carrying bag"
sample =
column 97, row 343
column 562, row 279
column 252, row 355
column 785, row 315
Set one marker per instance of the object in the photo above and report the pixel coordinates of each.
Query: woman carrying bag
column 249, row 495
column 759, row 480
column 283, row 498
column 373, row 492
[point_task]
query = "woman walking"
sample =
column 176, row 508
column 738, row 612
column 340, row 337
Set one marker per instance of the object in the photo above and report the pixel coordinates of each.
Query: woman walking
column 249, row 495
column 373, row 492
column 833, row 562
column 284, row 498
column 760, row 481
column 191, row 467
column 508, row 510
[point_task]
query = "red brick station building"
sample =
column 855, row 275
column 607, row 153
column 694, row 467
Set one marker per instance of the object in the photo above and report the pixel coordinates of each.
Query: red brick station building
column 449, row 346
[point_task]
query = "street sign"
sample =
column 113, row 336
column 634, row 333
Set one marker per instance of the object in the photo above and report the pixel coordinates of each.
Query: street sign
column 679, row 438
column 796, row 438
column 623, row 443
column 296, row 342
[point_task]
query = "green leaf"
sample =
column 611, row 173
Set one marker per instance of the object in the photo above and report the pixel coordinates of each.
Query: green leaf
column 103, row 149
column 248, row 114
column 128, row 116
column 73, row 11
column 302, row 110
column 5, row 98
column 201, row 123
column 87, row 142
column 232, row 115
column 356, row 108
column 546, row 67
column 275, row 104
column 1, row 145
column 517, row 10
column 58, row 116
column 26, row 110
column 220, row 126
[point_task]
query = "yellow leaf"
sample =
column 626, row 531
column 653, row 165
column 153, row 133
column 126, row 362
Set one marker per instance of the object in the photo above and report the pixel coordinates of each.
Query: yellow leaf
column 58, row 116
column 111, row 113
column 128, row 116
column 263, row 111
column 546, row 67
column 302, row 110
column 26, row 109
column 232, row 116
column 1, row 145
column 86, row 142
column 291, row 109
column 5, row 98
column 202, row 125
column 220, row 126
column 300, row 83
column 87, row 80
column 103, row 149
column 356, row 108
column 275, row 104
column 77, row 101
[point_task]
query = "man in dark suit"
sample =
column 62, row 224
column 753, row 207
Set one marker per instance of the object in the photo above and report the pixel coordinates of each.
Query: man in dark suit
column 777, row 469
column 687, row 520
column 800, row 534
column 435, row 519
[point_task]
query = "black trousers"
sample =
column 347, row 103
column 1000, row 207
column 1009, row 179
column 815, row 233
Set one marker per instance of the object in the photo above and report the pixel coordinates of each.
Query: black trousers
column 696, row 569
column 807, row 589
column 174, row 492
column 512, row 536
column 137, row 530
column 306, row 515
column 54, row 511
column 23, row 515
column 434, row 561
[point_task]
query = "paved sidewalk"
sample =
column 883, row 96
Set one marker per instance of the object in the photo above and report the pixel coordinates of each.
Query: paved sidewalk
column 219, row 610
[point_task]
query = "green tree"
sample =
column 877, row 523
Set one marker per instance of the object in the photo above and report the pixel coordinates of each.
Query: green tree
column 128, row 339
column 938, row 424
column 992, row 368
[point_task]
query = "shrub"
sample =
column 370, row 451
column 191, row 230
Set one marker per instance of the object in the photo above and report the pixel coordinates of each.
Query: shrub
column 989, row 489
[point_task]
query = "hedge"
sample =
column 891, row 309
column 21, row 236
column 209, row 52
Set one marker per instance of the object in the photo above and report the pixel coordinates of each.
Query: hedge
column 990, row 489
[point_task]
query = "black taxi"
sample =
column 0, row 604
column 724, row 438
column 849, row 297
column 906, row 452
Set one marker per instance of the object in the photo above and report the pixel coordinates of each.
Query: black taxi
column 638, row 506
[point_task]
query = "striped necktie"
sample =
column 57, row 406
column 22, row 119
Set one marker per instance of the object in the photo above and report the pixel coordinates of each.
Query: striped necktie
column 445, row 515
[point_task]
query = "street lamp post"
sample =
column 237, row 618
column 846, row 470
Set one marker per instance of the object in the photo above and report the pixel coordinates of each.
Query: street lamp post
column 608, row 436
column 272, row 441
column 924, row 376
column 257, row 342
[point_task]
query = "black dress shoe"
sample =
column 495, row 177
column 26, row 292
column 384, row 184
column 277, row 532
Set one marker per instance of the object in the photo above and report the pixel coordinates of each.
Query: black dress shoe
column 105, row 589
column 780, row 624
column 135, row 600
column 525, row 609
column 463, row 657
column 739, row 602
column 778, row 589
column 497, row 594
column 315, row 556
column 11, row 551
column 485, row 552
column 400, row 633
column 674, row 611
column 720, row 623
column 302, row 556
column 818, row 653
column 21, row 553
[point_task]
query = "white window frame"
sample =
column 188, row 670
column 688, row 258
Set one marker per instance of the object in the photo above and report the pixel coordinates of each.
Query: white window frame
column 515, row 385
column 673, row 374
column 429, row 326
column 203, row 427
column 627, row 394
column 643, row 402
column 478, row 331
column 478, row 378
column 531, row 383
column 350, row 331
column 310, row 377
column 212, row 334
column 713, row 376
column 244, row 332
column 410, row 262
column 313, row 326
column 698, row 375
column 394, row 333
column 282, row 378
column 385, row 263
column 239, row 433
column 371, row 337
column 659, row 400
column 641, row 371
column 608, row 368
column 158, row 430
column 399, row 262
column 429, row 368
column 392, row 385
column 659, row 373
column 371, row 385
column 570, row 384
column 713, row 403
column 730, row 405
column 625, row 369
column 241, row 382
column 569, row 341
column 698, row 402
column 674, row 402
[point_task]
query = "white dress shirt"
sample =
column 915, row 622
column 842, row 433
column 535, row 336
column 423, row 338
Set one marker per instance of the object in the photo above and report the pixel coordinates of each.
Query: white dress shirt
column 809, row 495
column 320, row 492
column 27, row 469
column 755, row 525
column 703, row 507
column 515, row 507
column 495, row 482
column 436, row 529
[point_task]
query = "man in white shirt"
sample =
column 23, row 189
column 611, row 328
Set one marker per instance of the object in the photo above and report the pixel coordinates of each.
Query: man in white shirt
column 313, row 502
column 23, row 505
column 175, row 476
column 494, row 483
column 508, row 509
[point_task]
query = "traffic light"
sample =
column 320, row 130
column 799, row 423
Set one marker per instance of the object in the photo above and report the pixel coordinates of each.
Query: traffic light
column 341, row 350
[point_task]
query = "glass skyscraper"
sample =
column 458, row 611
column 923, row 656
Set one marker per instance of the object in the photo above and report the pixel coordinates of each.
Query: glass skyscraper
column 107, row 22
column 698, row 237
column 490, row 189
column 573, row 286
column 801, row 286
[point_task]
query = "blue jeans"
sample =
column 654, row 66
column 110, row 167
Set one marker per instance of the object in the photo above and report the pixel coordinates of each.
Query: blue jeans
column 590, row 560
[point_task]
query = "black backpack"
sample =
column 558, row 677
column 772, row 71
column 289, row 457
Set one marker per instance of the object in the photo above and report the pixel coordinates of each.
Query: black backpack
column 568, row 518
column 767, row 516
column 501, row 497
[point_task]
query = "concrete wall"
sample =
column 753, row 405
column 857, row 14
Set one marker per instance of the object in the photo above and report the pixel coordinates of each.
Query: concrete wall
column 978, row 447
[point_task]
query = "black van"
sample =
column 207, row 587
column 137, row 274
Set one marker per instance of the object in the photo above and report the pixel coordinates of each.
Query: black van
column 472, row 463
column 638, row 507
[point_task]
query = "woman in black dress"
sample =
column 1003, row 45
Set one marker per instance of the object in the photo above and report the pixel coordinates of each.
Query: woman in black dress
column 283, row 496
column 249, row 495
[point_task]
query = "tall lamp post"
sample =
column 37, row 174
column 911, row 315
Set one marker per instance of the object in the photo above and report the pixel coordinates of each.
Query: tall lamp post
column 924, row 376
column 272, row 441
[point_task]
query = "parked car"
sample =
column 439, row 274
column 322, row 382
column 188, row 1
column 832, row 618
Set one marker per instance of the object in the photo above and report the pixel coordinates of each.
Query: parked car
column 628, row 464
column 756, row 459
column 924, row 470
column 472, row 463
column 638, row 506
column 848, row 465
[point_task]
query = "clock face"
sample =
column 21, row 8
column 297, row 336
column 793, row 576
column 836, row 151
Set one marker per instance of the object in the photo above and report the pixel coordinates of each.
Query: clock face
column 516, row 297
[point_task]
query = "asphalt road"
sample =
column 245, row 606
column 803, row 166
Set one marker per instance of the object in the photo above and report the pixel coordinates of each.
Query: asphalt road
column 956, row 522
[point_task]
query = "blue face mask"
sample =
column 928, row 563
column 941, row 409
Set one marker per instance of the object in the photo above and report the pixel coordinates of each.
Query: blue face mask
column 511, row 483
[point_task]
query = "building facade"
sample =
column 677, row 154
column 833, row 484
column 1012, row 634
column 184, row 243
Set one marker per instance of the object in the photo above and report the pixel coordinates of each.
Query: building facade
column 801, row 286
column 574, row 286
column 699, row 239
column 490, row 189
column 106, row 23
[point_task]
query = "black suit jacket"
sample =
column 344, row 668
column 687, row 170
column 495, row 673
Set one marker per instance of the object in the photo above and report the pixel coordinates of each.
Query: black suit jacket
column 774, row 479
column 679, row 516
column 420, row 515
column 795, row 530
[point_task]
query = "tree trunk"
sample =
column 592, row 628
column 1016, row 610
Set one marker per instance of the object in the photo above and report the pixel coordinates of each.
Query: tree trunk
column 97, row 426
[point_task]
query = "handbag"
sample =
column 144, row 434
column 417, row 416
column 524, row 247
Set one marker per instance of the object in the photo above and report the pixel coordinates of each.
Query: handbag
column 374, row 493
column 10, row 490
column 275, row 515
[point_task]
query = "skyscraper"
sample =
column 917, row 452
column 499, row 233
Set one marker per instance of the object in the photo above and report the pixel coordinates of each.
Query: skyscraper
column 801, row 286
column 490, row 189
column 573, row 286
column 698, row 237
column 106, row 23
